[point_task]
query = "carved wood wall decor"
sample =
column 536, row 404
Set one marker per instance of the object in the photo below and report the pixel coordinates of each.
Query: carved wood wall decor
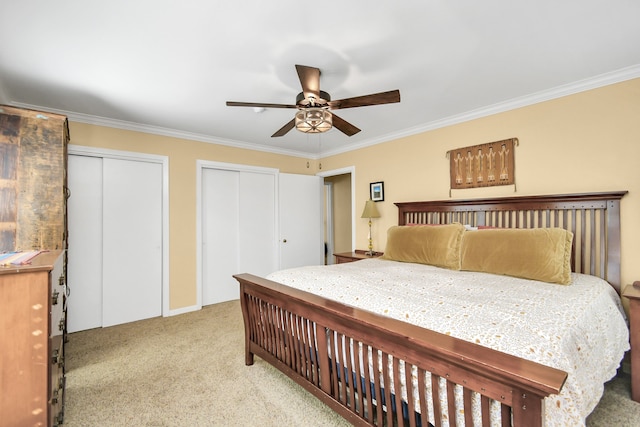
column 483, row 165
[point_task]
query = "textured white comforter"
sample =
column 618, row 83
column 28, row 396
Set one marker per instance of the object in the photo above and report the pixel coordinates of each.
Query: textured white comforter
column 579, row 328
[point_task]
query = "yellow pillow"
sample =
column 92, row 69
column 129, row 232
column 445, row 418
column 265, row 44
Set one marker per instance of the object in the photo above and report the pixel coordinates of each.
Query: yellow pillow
column 539, row 253
column 437, row 245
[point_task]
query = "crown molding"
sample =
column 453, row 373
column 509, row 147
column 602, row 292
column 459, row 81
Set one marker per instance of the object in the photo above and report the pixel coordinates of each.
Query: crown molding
column 601, row 80
column 606, row 79
column 158, row 130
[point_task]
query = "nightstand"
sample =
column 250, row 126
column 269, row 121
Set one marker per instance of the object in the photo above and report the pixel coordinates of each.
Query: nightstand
column 633, row 293
column 343, row 257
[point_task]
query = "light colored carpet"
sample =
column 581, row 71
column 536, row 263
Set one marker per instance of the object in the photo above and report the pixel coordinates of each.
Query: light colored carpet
column 189, row 370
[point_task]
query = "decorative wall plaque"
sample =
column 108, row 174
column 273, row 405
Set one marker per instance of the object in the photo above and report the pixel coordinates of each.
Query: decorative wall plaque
column 483, row 165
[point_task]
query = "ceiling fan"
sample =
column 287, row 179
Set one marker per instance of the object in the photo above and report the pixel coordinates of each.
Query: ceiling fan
column 315, row 106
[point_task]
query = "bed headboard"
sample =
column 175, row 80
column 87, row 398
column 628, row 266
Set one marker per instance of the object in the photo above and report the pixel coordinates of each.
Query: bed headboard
column 593, row 218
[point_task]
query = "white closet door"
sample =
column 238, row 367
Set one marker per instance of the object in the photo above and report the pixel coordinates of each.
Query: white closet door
column 258, row 240
column 84, row 269
column 220, row 235
column 238, row 230
column 301, row 220
column 132, row 241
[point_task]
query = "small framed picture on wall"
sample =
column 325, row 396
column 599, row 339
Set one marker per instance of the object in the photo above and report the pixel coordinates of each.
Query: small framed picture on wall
column 376, row 191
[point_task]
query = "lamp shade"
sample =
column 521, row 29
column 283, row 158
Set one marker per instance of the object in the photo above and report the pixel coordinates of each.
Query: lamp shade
column 313, row 120
column 370, row 210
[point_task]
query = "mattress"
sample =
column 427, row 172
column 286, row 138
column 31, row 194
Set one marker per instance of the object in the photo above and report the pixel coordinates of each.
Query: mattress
column 579, row 328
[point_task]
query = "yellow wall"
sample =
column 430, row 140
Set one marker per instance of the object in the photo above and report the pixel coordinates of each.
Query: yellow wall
column 182, row 188
column 579, row 143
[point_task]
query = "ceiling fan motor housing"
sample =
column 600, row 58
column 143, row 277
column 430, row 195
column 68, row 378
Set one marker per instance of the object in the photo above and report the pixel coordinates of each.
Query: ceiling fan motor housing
column 311, row 101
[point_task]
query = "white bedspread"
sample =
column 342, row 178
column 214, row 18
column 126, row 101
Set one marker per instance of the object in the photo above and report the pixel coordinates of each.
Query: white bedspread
column 579, row 328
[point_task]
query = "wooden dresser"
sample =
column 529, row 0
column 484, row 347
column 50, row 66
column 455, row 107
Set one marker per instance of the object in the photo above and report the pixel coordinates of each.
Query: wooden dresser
column 33, row 216
column 33, row 179
column 32, row 327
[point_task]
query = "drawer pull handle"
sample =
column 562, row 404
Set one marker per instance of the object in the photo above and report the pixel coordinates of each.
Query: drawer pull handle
column 54, row 397
column 61, row 280
column 54, row 298
column 58, row 419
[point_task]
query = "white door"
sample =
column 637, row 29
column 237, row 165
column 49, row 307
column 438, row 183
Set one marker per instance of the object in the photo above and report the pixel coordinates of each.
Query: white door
column 301, row 220
column 258, row 248
column 238, row 229
column 220, row 229
column 115, row 241
column 84, row 268
column 132, row 241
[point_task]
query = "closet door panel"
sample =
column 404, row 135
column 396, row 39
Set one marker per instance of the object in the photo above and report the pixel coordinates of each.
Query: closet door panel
column 84, row 269
column 258, row 241
column 220, row 229
column 301, row 220
column 132, row 241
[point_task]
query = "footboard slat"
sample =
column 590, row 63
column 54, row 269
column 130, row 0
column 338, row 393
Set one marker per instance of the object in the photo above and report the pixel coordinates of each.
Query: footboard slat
column 349, row 373
column 422, row 393
column 505, row 417
column 368, row 398
column 485, row 411
column 411, row 409
column 451, row 404
column 289, row 354
column 397, row 387
column 366, row 368
column 359, row 385
column 378, row 388
column 468, row 419
column 435, row 392
column 386, row 392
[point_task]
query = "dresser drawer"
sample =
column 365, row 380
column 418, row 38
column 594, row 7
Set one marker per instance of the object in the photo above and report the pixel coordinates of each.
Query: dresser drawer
column 57, row 381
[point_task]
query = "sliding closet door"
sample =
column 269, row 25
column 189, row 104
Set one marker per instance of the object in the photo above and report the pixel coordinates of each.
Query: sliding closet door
column 115, row 241
column 84, row 269
column 132, row 241
column 220, row 229
column 238, row 229
column 258, row 241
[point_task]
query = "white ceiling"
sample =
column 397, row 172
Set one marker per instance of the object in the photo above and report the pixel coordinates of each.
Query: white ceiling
column 167, row 67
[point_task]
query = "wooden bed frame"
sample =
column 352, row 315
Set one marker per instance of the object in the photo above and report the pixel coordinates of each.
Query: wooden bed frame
column 298, row 332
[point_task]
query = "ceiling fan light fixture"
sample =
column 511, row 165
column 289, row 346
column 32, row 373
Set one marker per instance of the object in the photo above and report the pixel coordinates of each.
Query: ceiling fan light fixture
column 313, row 120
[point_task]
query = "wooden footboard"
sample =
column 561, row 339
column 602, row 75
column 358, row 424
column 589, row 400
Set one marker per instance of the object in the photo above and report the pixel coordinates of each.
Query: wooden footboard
column 364, row 365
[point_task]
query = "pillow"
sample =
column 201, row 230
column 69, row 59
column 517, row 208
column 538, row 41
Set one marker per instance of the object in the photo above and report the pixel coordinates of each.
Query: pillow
column 424, row 244
column 538, row 253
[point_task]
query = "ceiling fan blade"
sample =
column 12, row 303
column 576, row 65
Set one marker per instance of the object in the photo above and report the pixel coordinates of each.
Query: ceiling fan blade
column 258, row 105
column 365, row 100
column 310, row 80
column 284, row 129
column 344, row 126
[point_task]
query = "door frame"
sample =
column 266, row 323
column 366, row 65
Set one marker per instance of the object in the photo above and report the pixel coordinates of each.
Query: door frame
column 328, row 231
column 352, row 171
column 79, row 150
column 208, row 164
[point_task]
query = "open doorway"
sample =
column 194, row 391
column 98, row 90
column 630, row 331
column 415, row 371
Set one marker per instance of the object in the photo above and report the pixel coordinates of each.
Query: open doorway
column 339, row 228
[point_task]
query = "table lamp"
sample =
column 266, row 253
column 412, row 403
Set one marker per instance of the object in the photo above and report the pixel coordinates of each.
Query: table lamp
column 370, row 211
